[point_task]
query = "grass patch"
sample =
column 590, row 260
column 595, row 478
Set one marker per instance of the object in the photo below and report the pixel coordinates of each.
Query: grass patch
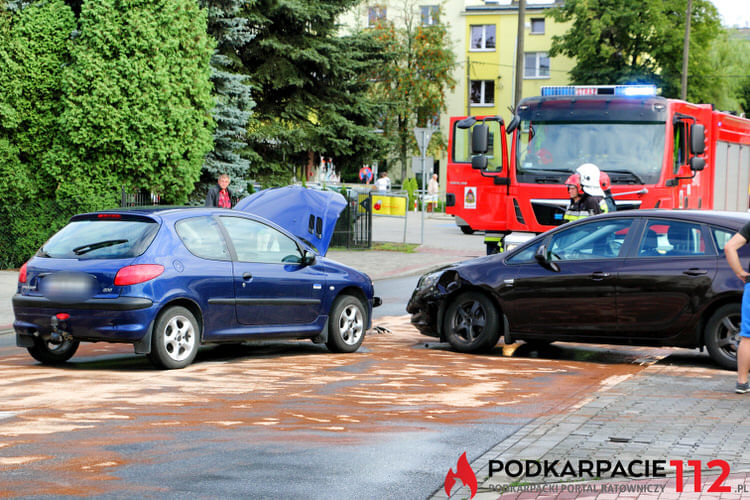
column 395, row 247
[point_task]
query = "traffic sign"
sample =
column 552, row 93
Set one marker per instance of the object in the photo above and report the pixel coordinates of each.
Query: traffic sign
column 423, row 136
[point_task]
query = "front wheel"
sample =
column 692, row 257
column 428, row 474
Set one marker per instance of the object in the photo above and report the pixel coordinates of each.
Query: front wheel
column 174, row 342
column 472, row 323
column 346, row 325
column 51, row 353
column 722, row 335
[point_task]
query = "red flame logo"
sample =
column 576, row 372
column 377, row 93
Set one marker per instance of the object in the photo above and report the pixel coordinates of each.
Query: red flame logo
column 465, row 473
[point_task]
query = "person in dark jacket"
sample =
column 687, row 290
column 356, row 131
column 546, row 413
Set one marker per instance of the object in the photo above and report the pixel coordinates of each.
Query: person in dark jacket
column 219, row 195
column 581, row 203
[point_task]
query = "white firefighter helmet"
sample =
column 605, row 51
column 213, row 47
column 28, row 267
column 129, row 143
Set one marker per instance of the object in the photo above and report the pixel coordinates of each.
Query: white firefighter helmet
column 590, row 179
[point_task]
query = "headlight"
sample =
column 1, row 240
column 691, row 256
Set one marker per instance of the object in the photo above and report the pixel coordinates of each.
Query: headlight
column 429, row 280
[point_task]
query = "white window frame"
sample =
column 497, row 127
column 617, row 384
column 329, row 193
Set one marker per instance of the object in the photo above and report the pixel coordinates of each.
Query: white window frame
column 531, row 29
column 484, row 47
column 537, row 66
column 428, row 12
column 482, row 93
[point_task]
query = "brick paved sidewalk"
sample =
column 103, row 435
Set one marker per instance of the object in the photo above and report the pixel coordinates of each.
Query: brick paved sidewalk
column 665, row 412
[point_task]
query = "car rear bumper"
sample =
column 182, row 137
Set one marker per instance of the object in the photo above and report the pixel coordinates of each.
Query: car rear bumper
column 120, row 319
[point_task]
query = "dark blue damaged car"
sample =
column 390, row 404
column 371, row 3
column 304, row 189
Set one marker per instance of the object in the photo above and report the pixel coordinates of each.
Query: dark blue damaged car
column 169, row 280
column 639, row 277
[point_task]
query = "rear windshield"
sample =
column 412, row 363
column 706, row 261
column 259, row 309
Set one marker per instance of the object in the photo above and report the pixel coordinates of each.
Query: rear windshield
column 101, row 239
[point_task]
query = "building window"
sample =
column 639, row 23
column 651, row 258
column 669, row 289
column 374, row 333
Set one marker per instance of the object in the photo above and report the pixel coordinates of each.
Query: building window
column 483, row 92
column 537, row 26
column 429, row 14
column 536, row 65
column 375, row 15
column 483, row 37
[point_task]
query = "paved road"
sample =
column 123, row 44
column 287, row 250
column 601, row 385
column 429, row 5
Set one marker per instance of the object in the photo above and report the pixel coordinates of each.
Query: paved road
column 282, row 420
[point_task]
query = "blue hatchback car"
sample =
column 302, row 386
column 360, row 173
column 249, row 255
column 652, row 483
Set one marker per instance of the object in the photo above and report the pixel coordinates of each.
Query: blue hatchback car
column 169, row 280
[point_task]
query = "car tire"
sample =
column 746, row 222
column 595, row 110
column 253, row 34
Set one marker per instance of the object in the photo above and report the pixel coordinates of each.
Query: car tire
column 346, row 324
column 51, row 354
column 722, row 335
column 174, row 341
column 466, row 229
column 472, row 323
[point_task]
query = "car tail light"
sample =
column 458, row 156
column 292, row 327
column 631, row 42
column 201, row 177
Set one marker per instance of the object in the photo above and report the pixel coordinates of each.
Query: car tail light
column 22, row 273
column 109, row 216
column 132, row 275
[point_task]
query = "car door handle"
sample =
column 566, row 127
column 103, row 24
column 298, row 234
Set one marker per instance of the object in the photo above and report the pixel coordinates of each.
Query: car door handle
column 247, row 276
column 599, row 275
column 695, row 272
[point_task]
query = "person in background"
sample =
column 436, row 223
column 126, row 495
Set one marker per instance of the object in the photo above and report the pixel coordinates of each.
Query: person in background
column 219, row 194
column 433, row 188
column 383, row 183
column 606, row 185
column 731, row 250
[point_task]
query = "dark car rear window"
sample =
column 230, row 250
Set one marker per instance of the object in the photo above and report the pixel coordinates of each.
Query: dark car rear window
column 106, row 238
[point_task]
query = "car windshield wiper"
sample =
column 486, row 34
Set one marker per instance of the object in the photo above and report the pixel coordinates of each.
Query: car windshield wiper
column 627, row 172
column 95, row 246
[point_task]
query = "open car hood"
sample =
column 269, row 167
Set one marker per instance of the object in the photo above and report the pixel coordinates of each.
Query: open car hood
column 308, row 214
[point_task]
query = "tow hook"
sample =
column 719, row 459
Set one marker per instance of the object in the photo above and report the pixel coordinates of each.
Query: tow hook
column 58, row 333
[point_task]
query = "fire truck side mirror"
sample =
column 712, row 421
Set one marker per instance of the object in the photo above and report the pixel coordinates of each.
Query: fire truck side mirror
column 479, row 139
column 514, row 122
column 697, row 163
column 697, row 139
column 479, row 162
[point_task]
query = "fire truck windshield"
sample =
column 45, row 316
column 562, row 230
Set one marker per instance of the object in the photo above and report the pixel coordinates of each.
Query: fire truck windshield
column 631, row 153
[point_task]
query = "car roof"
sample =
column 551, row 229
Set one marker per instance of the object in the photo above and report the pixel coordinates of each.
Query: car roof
column 704, row 216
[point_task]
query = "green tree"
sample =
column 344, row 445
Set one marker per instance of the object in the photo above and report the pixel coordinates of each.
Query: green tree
column 138, row 99
column 33, row 51
column 232, row 95
column 620, row 41
column 414, row 81
column 311, row 97
column 726, row 67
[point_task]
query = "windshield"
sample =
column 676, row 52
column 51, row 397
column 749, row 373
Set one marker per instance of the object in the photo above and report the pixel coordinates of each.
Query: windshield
column 631, row 153
column 100, row 239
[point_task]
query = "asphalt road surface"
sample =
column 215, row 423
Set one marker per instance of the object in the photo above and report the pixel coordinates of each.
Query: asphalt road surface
column 280, row 419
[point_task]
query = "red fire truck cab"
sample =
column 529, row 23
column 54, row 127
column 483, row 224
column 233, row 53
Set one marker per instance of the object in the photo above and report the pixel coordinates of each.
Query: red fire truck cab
column 657, row 152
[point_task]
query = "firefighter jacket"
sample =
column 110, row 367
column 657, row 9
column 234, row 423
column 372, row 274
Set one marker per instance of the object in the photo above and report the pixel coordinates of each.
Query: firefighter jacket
column 587, row 205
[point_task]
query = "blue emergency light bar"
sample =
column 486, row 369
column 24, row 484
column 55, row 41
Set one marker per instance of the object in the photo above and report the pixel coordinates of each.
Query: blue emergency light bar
column 620, row 90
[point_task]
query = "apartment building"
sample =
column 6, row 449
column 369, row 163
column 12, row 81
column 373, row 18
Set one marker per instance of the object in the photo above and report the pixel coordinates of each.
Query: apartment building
column 483, row 34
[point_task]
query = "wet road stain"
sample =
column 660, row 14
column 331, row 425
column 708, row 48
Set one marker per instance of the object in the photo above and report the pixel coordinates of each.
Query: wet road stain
column 80, row 422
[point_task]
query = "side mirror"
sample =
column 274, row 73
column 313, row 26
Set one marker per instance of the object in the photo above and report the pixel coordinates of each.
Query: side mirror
column 697, row 163
column 479, row 138
column 541, row 257
column 308, row 258
column 466, row 122
column 697, row 140
column 514, row 122
column 479, row 162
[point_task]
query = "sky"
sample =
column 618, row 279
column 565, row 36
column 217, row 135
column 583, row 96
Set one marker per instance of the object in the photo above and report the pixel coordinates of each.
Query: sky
column 734, row 12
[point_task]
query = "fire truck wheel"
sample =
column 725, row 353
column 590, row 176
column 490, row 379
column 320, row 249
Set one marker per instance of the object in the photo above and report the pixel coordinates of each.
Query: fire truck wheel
column 472, row 323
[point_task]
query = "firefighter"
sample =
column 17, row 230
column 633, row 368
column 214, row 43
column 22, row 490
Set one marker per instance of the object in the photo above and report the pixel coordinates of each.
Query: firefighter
column 585, row 193
column 609, row 201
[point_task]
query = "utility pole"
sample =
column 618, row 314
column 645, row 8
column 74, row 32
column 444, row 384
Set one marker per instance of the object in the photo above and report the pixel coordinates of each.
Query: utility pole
column 519, row 52
column 686, row 50
column 468, row 87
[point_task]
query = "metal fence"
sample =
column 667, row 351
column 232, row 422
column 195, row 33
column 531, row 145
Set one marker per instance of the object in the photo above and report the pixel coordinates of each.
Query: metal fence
column 354, row 226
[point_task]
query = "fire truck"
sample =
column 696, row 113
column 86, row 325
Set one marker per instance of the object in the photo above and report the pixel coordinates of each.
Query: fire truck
column 508, row 180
